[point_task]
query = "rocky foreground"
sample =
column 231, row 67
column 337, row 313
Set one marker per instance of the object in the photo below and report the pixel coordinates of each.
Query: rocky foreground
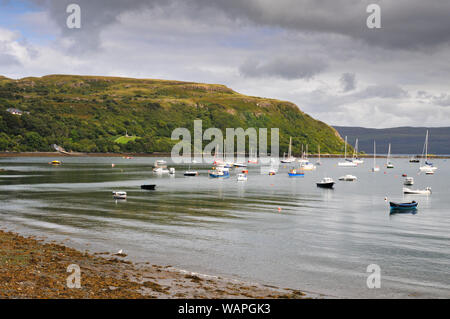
column 31, row 268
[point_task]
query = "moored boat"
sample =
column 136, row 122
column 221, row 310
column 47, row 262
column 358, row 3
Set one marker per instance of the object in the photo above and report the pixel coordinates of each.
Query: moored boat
column 326, row 182
column 426, row 191
column 148, row 187
column 348, row 178
column 294, row 172
column 410, row 205
column 409, row 181
column 119, row 195
column 241, row 177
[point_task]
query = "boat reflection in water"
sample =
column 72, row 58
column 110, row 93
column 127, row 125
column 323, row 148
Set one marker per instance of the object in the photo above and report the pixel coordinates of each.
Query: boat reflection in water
column 397, row 211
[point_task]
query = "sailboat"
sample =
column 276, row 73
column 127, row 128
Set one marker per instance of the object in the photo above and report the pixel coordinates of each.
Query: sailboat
column 427, row 167
column 347, row 162
column 289, row 159
column 306, row 165
column 388, row 163
column 318, row 163
column 375, row 168
column 252, row 159
column 355, row 155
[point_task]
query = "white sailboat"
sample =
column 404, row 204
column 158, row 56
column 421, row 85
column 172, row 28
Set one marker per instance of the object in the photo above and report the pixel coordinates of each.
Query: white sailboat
column 347, row 162
column 252, row 159
column 306, row 164
column 375, row 168
column 289, row 159
column 427, row 167
column 388, row 162
column 355, row 155
column 318, row 163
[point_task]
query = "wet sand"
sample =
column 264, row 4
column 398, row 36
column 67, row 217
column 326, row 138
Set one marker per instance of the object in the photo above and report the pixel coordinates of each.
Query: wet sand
column 32, row 268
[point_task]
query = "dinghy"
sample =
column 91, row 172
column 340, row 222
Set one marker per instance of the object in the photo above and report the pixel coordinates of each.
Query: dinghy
column 426, row 191
column 119, row 195
column 409, row 181
column 411, row 205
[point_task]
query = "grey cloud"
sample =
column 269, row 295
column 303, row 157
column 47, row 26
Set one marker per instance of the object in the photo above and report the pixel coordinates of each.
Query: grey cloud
column 348, row 82
column 405, row 23
column 382, row 91
column 284, row 67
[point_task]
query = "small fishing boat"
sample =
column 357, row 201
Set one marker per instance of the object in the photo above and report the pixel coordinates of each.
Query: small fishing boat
column 409, row 181
column 294, row 173
column 241, row 177
column 219, row 173
column 55, row 163
column 410, row 205
column 149, row 187
column 348, row 178
column 426, row 191
column 119, row 195
column 326, row 182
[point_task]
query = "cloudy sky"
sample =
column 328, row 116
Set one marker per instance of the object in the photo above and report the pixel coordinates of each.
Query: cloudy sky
column 318, row 54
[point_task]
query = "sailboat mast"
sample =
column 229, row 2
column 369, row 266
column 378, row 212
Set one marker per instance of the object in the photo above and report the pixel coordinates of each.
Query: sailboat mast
column 345, row 152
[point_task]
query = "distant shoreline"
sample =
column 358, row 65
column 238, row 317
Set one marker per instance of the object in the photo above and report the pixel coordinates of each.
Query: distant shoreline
column 56, row 154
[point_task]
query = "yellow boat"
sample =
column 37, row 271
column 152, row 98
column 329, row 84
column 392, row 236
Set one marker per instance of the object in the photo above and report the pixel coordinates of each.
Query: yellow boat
column 55, row 163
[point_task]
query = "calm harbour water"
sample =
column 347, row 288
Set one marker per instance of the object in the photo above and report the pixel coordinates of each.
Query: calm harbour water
column 321, row 241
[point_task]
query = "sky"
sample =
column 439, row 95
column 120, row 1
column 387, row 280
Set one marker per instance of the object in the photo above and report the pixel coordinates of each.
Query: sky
column 318, row 54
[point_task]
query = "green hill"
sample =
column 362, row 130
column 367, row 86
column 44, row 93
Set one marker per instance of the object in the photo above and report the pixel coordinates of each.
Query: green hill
column 91, row 113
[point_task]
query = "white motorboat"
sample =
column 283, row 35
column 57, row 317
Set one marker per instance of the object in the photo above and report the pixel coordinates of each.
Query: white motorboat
column 375, row 168
column 191, row 173
column 348, row 178
column 426, row 191
column 119, row 195
column 172, row 171
column 347, row 162
column 160, row 162
column 326, row 182
column 160, row 170
column 241, row 177
column 307, row 166
column 427, row 166
column 409, row 181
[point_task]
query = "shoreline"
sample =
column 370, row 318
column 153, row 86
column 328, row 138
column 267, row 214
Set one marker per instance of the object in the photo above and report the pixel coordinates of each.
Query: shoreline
column 34, row 268
column 56, row 154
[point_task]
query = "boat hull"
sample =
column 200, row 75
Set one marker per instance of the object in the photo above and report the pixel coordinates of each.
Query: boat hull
column 401, row 206
column 148, row 187
column 296, row 174
column 325, row 185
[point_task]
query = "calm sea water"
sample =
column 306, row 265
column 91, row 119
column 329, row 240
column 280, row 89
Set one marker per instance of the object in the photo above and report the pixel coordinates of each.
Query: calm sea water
column 321, row 241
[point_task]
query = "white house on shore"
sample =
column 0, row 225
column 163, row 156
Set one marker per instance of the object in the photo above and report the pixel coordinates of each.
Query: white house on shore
column 14, row 111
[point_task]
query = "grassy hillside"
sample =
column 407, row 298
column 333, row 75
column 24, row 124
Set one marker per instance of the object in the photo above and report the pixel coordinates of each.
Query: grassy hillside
column 404, row 140
column 91, row 113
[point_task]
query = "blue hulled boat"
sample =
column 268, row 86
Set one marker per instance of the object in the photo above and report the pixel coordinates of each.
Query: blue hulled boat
column 401, row 206
column 294, row 173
